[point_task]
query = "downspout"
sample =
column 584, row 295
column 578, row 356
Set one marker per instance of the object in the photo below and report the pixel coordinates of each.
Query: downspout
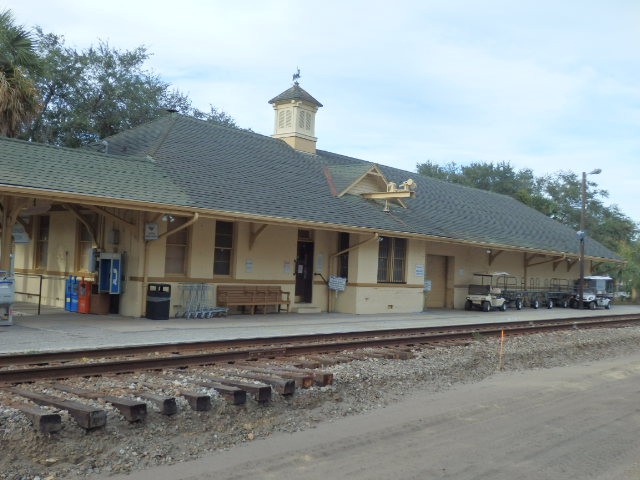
column 332, row 257
column 145, row 277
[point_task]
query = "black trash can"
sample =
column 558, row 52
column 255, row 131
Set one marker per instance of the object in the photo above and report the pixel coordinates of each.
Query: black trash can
column 158, row 301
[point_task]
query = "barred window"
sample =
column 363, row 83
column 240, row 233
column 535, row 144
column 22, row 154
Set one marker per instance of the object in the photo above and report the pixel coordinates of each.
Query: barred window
column 177, row 247
column 42, row 243
column 223, row 248
column 391, row 260
column 343, row 260
column 85, row 256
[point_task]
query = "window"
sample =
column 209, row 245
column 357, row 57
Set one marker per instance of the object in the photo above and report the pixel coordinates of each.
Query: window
column 42, row 243
column 343, row 260
column 85, row 249
column 391, row 260
column 175, row 258
column 223, row 248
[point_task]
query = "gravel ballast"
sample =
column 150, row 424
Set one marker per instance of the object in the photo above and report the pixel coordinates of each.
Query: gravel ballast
column 358, row 386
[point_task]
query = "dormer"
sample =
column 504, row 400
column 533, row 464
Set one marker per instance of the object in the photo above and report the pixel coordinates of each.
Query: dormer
column 368, row 181
column 295, row 117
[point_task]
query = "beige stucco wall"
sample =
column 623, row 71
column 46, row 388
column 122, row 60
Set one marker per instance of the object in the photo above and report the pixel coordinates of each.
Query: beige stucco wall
column 271, row 260
column 364, row 295
column 470, row 260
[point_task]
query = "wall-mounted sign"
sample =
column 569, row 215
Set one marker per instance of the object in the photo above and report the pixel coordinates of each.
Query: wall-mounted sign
column 150, row 231
column 427, row 286
column 337, row 283
column 419, row 270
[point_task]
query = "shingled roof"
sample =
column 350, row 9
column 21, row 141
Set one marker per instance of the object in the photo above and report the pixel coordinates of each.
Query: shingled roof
column 71, row 171
column 296, row 92
column 192, row 163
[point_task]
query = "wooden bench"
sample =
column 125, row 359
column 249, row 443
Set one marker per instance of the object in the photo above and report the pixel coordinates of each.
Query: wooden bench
column 253, row 296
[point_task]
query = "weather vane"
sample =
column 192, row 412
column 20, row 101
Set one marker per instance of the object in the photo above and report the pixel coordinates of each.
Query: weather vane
column 296, row 76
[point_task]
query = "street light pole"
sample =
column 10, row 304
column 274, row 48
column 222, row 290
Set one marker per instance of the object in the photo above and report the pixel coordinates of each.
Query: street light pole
column 582, row 233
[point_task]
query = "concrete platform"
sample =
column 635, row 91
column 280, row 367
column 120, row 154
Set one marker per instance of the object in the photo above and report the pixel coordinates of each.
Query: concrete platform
column 55, row 329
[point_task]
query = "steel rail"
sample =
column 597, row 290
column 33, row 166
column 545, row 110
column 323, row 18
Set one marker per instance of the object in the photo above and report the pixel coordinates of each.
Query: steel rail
column 270, row 342
column 299, row 345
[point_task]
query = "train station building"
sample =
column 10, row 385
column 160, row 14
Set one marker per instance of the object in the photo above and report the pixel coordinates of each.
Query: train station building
column 192, row 204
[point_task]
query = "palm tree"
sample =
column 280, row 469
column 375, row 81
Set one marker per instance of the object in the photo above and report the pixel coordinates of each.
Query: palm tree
column 19, row 97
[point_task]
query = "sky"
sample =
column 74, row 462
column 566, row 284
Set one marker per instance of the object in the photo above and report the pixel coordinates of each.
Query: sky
column 546, row 85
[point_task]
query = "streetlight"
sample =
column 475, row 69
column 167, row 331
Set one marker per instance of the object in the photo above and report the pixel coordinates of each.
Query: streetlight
column 581, row 233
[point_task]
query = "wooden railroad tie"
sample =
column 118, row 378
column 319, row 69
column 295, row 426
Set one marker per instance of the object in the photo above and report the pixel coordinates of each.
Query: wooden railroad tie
column 132, row 410
column 321, row 378
column 280, row 385
column 42, row 420
column 86, row 416
column 307, row 363
column 304, row 378
column 197, row 401
column 261, row 392
column 233, row 394
column 166, row 405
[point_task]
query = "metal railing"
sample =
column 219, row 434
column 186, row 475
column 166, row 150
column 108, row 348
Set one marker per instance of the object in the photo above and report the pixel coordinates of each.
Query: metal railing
column 39, row 293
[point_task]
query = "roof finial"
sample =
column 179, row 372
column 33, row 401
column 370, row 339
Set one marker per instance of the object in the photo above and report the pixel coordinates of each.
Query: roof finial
column 296, row 76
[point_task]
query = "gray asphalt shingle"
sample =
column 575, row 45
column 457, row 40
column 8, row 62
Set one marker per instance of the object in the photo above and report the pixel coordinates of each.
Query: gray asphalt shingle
column 192, row 163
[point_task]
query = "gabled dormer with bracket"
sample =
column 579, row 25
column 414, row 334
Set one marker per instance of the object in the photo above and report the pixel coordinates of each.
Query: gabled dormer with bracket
column 369, row 182
column 295, row 117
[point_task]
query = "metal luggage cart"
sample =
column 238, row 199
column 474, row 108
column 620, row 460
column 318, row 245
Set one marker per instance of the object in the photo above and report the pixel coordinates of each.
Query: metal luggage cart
column 196, row 302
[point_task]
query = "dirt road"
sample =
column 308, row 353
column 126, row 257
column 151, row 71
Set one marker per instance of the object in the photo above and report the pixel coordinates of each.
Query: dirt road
column 578, row 422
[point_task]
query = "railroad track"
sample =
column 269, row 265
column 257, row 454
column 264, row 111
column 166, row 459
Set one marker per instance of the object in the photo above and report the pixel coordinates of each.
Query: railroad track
column 243, row 369
column 20, row 368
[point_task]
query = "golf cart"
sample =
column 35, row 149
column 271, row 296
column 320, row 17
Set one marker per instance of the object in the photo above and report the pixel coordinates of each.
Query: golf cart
column 490, row 291
column 597, row 292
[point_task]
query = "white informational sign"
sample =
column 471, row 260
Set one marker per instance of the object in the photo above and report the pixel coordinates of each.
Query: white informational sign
column 319, row 263
column 337, row 283
column 248, row 266
column 419, row 270
column 287, row 267
column 427, row 286
column 150, row 231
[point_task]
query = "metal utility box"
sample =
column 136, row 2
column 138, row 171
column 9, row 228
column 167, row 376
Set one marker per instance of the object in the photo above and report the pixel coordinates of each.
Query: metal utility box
column 7, row 298
column 84, row 296
column 110, row 273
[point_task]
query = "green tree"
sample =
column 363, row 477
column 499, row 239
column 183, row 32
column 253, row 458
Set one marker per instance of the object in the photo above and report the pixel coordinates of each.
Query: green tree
column 100, row 91
column 215, row 115
column 19, row 97
column 558, row 196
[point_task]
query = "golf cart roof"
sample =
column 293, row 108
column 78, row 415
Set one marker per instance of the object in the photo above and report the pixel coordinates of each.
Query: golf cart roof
column 492, row 274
